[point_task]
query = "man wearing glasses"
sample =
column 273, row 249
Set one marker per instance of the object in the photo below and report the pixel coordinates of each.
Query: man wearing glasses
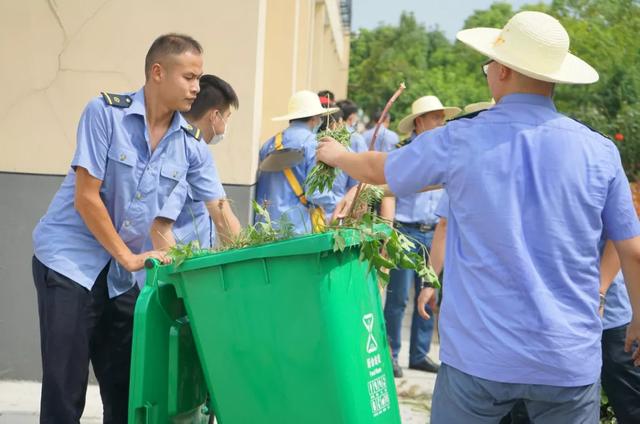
column 530, row 194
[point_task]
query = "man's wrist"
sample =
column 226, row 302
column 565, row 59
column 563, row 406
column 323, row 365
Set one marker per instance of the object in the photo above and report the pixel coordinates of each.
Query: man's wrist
column 427, row 284
column 603, row 299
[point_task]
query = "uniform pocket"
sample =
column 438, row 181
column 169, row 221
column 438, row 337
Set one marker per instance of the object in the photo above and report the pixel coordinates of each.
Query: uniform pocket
column 171, row 173
column 122, row 155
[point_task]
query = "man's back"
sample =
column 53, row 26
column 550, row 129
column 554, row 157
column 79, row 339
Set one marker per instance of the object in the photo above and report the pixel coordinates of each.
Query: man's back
column 531, row 192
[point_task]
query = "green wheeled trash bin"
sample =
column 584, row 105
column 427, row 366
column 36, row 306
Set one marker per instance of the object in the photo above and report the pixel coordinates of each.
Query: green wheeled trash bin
column 166, row 384
column 289, row 333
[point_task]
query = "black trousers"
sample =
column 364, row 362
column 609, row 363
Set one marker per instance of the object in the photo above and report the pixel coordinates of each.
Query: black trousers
column 620, row 379
column 78, row 326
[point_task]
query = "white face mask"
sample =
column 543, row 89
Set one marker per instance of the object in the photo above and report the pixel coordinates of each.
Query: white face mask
column 217, row 138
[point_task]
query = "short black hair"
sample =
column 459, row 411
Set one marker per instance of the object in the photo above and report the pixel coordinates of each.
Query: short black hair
column 348, row 107
column 169, row 44
column 375, row 117
column 331, row 98
column 214, row 93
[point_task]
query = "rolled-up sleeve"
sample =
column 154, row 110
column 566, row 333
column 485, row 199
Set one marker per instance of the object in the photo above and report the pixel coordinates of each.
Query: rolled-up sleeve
column 423, row 162
column 202, row 175
column 619, row 216
column 92, row 140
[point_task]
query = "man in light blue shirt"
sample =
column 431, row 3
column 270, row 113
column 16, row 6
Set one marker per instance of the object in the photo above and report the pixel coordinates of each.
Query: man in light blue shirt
column 530, row 194
column 132, row 151
column 414, row 217
column 350, row 117
column 386, row 139
column 620, row 378
column 285, row 195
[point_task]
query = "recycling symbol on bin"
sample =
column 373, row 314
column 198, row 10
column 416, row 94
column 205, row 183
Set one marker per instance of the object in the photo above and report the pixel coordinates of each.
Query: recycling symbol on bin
column 372, row 345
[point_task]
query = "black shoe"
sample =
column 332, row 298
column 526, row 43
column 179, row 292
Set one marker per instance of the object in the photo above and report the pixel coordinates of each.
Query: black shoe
column 426, row 365
column 397, row 371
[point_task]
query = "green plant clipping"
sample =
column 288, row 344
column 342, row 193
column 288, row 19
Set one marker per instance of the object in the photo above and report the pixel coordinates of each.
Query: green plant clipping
column 386, row 249
column 262, row 232
column 322, row 176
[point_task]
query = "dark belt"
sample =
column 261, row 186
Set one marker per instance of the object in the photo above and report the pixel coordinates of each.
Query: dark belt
column 423, row 228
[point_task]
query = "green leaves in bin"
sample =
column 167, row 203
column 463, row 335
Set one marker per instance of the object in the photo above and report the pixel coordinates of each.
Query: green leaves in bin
column 183, row 251
column 385, row 248
column 262, row 232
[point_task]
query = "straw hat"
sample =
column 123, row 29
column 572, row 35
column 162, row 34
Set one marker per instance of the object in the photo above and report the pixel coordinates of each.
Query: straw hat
column 305, row 104
column 423, row 105
column 534, row 44
column 477, row 107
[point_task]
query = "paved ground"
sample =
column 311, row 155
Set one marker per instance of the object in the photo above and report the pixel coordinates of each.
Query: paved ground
column 19, row 401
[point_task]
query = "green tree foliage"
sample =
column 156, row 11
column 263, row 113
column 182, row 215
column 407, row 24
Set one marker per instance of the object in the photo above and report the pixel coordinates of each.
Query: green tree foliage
column 605, row 33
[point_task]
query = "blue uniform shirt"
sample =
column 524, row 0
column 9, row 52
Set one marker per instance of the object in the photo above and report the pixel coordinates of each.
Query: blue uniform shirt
column 385, row 141
column 358, row 144
column 617, row 309
column 192, row 220
column 112, row 144
column 530, row 193
column 442, row 210
column 274, row 190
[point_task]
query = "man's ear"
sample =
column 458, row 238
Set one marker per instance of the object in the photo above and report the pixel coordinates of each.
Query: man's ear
column 157, row 72
column 505, row 72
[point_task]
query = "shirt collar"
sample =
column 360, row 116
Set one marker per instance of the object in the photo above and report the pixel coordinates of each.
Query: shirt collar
column 137, row 104
column 529, row 99
column 138, row 108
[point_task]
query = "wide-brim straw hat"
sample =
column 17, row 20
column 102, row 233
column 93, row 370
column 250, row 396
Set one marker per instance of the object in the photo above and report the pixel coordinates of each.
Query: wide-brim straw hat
column 305, row 104
column 424, row 105
column 477, row 107
column 534, row 44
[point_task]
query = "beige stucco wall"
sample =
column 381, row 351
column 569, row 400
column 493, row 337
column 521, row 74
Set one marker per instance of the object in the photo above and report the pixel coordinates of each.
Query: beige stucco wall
column 299, row 55
column 57, row 54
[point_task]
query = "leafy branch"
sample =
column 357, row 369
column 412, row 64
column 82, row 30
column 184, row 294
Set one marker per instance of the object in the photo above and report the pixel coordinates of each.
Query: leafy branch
column 385, row 248
column 322, row 176
column 262, row 232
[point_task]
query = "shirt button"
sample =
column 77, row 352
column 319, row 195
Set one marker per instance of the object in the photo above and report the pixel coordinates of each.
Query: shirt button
column 127, row 223
column 123, row 156
column 138, row 196
column 175, row 174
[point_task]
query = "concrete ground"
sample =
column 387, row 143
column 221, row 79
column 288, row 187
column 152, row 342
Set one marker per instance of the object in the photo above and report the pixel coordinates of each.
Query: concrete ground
column 19, row 400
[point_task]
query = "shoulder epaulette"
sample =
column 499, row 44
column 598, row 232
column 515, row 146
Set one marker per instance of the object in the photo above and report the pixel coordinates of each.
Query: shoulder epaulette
column 117, row 100
column 404, row 142
column 192, row 131
column 468, row 115
column 589, row 127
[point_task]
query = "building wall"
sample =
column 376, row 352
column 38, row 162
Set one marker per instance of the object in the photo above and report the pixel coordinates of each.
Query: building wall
column 60, row 53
